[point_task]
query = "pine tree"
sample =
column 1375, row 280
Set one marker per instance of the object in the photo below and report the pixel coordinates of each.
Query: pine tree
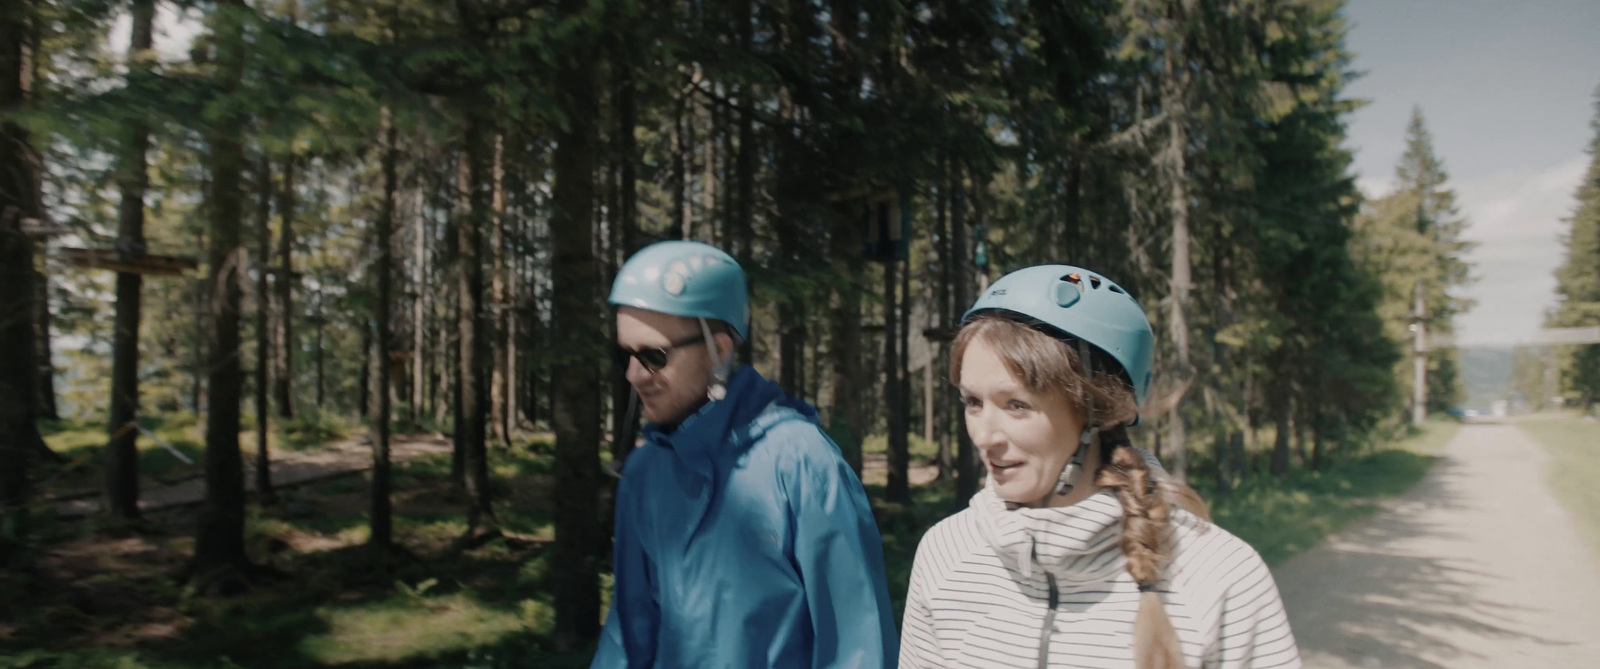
column 1578, row 279
column 1421, row 174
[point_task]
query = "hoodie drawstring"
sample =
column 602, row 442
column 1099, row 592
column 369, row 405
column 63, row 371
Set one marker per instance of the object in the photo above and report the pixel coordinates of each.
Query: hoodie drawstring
column 1049, row 622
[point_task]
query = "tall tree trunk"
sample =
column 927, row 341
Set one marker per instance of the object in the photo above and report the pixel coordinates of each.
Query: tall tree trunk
column 790, row 196
column 202, row 305
column 904, row 347
column 1178, row 302
column 1280, row 443
column 19, row 431
column 283, row 365
column 683, row 136
column 31, row 181
column 710, row 185
column 745, row 178
column 264, row 491
column 940, row 360
column 380, row 515
column 497, row 289
column 121, row 460
column 849, row 426
column 475, row 335
column 319, row 321
column 460, row 354
column 1316, row 442
column 46, row 395
column 899, row 488
column 625, row 423
column 580, row 545
column 966, row 456
column 219, row 541
column 364, row 388
column 419, row 327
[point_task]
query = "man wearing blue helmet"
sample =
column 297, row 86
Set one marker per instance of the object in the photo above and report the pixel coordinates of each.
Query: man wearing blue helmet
column 743, row 539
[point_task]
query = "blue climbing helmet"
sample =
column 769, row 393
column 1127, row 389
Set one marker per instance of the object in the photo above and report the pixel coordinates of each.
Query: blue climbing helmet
column 689, row 279
column 1081, row 305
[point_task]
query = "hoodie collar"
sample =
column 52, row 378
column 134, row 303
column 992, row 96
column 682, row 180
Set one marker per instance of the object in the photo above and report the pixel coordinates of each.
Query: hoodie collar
column 1076, row 544
column 698, row 438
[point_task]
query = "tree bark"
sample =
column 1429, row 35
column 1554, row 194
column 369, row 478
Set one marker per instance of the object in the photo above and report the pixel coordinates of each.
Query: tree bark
column 380, row 515
column 121, row 460
column 497, row 289
column 19, row 432
column 459, row 354
column 745, row 176
column 580, row 546
column 219, row 541
column 283, row 365
column 419, row 327
column 945, row 251
column 364, row 388
column 320, row 323
column 46, row 396
column 899, row 489
column 966, row 456
column 473, row 321
column 264, row 490
column 1178, row 302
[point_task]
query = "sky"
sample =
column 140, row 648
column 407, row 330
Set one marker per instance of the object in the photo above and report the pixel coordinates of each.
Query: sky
column 1507, row 90
column 1506, row 87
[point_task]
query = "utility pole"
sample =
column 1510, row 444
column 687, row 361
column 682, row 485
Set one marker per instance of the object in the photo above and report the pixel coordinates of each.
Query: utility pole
column 1419, row 393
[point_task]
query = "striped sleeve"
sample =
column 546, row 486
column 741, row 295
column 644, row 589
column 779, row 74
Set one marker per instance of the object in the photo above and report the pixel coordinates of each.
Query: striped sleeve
column 1255, row 630
column 919, row 641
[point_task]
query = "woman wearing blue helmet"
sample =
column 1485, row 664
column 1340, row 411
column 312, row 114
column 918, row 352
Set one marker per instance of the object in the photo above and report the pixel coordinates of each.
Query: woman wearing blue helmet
column 1078, row 552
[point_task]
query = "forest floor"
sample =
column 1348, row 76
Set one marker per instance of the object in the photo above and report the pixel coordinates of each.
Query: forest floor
column 347, row 456
column 100, row 595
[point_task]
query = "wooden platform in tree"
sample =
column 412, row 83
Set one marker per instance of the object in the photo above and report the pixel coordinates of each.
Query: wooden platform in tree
column 142, row 263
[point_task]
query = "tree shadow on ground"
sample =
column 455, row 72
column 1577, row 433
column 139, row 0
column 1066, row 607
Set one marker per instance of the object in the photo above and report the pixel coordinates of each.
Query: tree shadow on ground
column 1366, row 601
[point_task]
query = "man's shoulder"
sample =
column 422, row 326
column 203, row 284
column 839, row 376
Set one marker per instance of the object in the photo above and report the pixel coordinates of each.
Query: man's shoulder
column 798, row 440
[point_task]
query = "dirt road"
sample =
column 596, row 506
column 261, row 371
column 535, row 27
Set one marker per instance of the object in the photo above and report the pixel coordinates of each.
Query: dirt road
column 1478, row 566
column 288, row 468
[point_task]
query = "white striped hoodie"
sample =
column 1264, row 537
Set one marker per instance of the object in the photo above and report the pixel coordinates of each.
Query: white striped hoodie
column 980, row 593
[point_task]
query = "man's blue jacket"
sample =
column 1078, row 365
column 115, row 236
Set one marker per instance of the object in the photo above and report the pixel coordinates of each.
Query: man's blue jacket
column 744, row 540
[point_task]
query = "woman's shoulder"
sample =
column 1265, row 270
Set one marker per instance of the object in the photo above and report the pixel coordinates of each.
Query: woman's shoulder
column 951, row 542
column 1206, row 552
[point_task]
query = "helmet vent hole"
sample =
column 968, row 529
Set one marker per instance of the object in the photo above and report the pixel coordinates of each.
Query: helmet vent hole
column 1118, row 289
column 1072, row 278
column 1094, row 281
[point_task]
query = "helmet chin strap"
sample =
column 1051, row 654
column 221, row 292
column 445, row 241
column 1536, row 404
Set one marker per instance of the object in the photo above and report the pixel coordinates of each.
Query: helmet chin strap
column 1074, row 469
column 720, row 366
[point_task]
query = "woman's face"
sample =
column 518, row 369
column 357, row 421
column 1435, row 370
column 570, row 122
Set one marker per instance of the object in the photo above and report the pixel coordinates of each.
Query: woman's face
column 1026, row 438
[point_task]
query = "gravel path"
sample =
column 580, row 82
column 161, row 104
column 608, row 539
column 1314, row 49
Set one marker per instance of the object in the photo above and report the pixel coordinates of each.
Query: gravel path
column 1478, row 566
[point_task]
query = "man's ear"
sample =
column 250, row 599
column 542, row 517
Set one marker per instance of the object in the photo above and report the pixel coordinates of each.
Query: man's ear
column 725, row 347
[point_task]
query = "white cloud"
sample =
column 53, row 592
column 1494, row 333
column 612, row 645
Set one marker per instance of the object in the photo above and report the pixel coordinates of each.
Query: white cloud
column 1516, row 217
column 1374, row 187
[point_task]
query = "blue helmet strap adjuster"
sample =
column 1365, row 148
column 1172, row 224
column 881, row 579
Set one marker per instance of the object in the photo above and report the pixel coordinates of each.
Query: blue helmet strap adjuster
column 721, row 367
column 1068, row 479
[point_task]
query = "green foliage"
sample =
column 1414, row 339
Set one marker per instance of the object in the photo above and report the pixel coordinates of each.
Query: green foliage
column 1413, row 237
column 1574, row 465
column 312, row 429
column 1283, row 517
column 1578, row 281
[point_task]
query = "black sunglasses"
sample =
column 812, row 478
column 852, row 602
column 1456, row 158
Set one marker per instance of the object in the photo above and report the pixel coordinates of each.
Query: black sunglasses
column 654, row 359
